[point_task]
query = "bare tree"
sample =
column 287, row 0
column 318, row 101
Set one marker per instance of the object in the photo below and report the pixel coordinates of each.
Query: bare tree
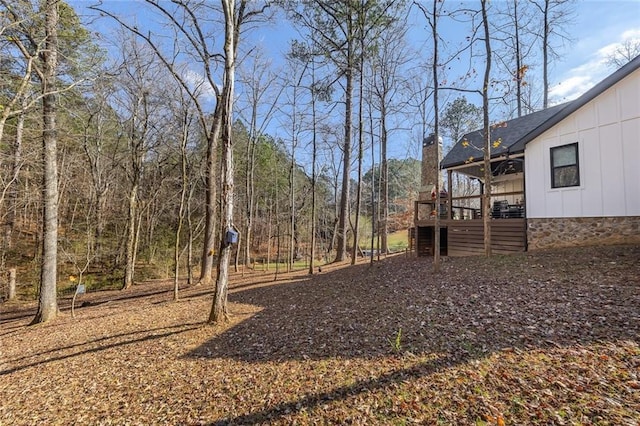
column 486, row 199
column 386, row 82
column 624, row 53
column 515, row 34
column 234, row 16
column 187, row 24
column 101, row 148
column 189, row 20
column 338, row 27
column 47, row 302
column 137, row 71
column 258, row 80
column 555, row 14
column 186, row 118
column 432, row 17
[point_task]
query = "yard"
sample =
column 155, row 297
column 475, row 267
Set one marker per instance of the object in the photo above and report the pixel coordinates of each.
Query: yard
column 548, row 337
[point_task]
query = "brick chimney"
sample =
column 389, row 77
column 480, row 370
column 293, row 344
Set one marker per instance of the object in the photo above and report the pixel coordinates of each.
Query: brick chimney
column 430, row 166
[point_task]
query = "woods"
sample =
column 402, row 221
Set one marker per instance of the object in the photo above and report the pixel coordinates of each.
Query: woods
column 132, row 147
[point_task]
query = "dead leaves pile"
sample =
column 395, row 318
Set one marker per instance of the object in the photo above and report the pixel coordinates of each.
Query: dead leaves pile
column 540, row 338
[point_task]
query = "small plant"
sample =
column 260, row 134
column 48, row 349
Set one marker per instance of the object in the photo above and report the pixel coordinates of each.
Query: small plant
column 396, row 343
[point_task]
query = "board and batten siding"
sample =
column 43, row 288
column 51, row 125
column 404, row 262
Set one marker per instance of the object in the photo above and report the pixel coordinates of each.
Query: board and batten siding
column 607, row 130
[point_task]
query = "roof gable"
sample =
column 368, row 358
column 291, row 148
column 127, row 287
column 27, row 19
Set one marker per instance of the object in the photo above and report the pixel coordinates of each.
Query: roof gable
column 516, row 133
column 470, row 147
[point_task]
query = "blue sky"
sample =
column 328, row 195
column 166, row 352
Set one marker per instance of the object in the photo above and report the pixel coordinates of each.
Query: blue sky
column 598, row 27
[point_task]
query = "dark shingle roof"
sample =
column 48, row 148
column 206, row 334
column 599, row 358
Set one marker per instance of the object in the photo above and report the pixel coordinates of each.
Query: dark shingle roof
column 508, row 133
column 520, row 131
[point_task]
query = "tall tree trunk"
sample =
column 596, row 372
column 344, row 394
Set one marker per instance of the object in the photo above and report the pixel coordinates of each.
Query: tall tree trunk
column 341, row 232
column 129, row 255
column 101, row 200
column 12, row 190
column 545, row 56
column 384, row 180
column 292, row 189
column 356, row 230
column 436, row 131
column 232, row 27
column 292, row 210
column 374, row 207
column 191, row 237
column 47, row 303
column 209, row 243
column 182, row 209
column 249, row 188
column 269, row 236
column 314, row 153
column 519, row 71
column 486, row 198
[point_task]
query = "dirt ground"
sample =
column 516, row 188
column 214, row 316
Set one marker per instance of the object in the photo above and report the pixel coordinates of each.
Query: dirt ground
column 549, row 337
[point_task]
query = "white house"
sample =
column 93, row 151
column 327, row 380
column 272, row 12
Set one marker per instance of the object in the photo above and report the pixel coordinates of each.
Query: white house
column 575, row 165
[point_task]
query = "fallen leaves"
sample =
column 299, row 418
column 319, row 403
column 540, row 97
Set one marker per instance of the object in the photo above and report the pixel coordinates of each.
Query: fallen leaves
column 538, row 338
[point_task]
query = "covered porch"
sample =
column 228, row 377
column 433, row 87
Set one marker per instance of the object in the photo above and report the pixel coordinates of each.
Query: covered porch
column 460, row 211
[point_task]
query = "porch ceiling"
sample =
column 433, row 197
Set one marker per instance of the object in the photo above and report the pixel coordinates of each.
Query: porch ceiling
column 499, row 166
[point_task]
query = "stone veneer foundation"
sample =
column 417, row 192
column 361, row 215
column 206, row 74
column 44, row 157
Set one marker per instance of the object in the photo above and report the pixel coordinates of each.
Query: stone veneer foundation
column 582, row 231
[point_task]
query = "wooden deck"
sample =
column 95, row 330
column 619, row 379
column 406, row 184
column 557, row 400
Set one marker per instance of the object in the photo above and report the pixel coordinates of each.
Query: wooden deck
column 466, row 237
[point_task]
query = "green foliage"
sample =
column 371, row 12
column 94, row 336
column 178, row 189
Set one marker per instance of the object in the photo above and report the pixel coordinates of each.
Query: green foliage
column 459, row 118
column 396, row 342
column 404, row 179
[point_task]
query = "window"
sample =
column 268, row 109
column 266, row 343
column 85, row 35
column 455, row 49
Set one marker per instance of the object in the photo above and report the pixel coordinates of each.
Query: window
column 564, row 166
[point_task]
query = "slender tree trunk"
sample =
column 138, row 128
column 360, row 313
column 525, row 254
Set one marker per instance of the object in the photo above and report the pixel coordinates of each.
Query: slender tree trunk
column 436, row 131
column 101, row 200
column 313, row 175
column 341, row 231
column 356, row 230
column 277, row 271
column 47, row 303
column 181, row 212
column 374, row 207
column 486, row 198
column 12, row 283
column 12, row 193
column 545, row 55
column 191, row 237
column 518, row 73
column 384, row 180
column 129, row 268
column 209, row 243
column 249, row 202
column 292, row 190
column 292, row 213
column 269, row 227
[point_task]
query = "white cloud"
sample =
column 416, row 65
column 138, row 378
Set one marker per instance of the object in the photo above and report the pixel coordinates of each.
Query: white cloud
column 199, row 82
column 579, row 79
column 570, row 88
column 632, row 35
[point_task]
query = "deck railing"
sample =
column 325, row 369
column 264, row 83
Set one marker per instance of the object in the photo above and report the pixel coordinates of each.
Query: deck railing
column 505, row 205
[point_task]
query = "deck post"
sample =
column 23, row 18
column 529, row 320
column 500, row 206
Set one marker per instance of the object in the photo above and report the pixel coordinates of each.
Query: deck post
column 450, row 194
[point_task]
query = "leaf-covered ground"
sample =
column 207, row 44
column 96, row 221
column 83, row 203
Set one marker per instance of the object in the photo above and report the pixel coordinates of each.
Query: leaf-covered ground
column 540, row 338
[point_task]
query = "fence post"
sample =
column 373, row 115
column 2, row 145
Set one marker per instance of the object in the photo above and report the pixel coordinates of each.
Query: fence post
column 12, row 283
